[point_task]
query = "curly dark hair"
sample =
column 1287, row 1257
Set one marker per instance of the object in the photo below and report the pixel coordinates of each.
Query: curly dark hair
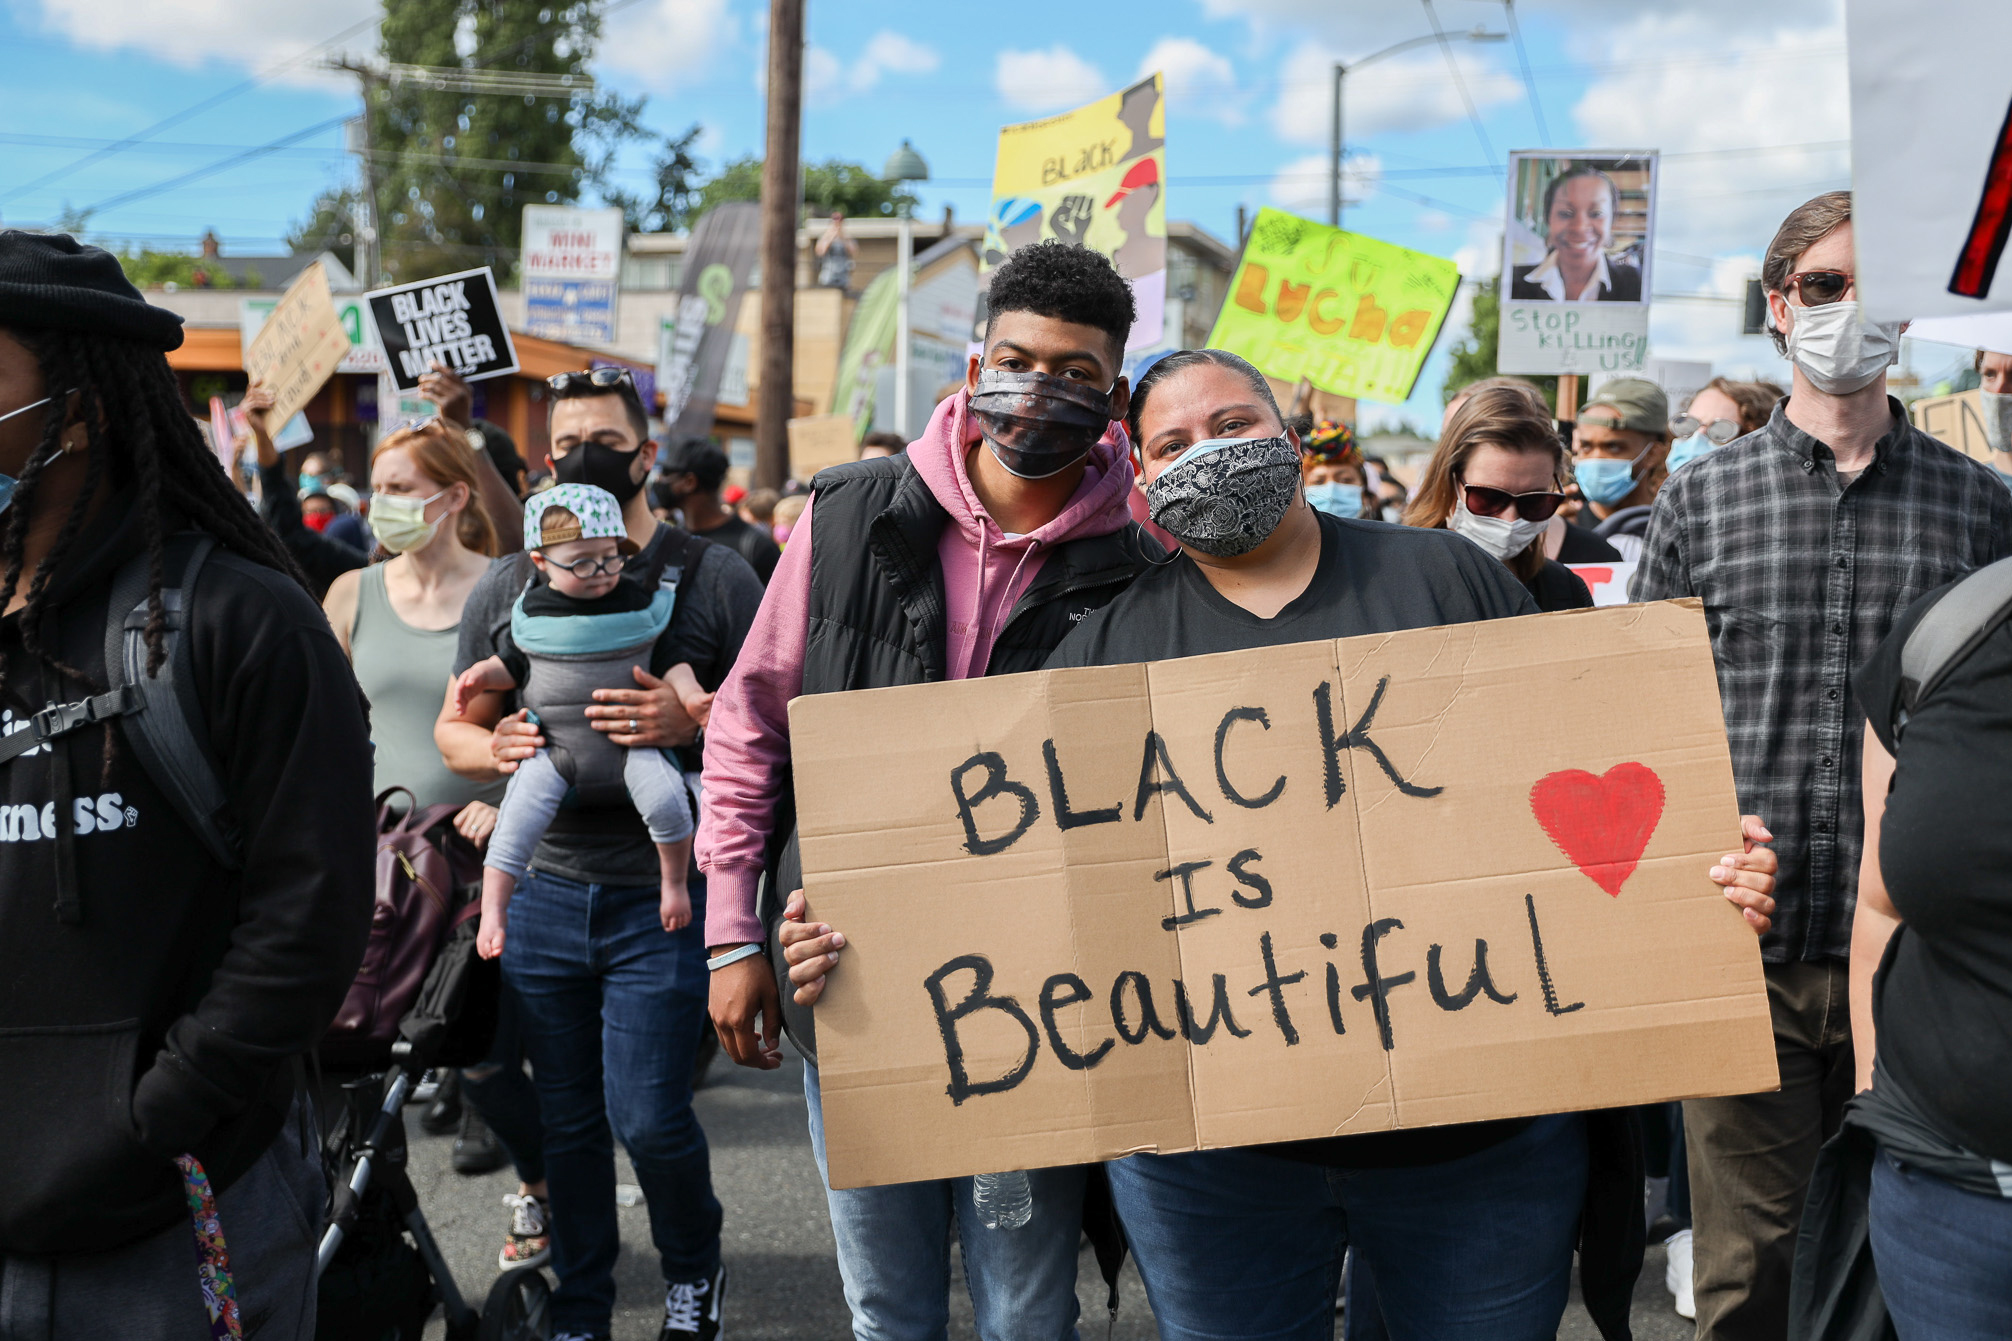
column 1182, row 359
column 1068, row 283
column 141, row 438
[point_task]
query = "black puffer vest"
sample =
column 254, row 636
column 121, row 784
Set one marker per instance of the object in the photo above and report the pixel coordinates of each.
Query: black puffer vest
column 877, row 619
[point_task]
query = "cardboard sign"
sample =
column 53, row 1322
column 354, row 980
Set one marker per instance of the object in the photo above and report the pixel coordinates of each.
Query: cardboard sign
column 1931, row 155
column 1348, row 313
column 1294, row 892
column 820, row 440
column 1095, row 177
column 1957, row 420
column 1608, row 582
column 1577, row 247
column 453, row 320
column 365, row 354
column 300, row 346
column 571, row 266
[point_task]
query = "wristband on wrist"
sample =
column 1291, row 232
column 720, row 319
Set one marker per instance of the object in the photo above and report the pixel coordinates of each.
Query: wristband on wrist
column 719, row 962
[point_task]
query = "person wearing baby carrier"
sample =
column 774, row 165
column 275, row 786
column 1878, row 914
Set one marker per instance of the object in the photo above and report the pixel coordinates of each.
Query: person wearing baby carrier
column 612, row 1003
column 186, row 841
column 972, row 553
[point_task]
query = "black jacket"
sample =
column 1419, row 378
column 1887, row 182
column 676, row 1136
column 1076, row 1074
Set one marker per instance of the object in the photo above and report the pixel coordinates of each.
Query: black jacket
column 164, row 1021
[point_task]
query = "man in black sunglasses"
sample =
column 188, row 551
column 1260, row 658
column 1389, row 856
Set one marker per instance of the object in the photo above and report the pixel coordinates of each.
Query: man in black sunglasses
column 1805, row 539
column 587, row 957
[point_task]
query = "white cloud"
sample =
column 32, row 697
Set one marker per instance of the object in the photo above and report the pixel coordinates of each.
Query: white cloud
column 251, row 33
column 1047, row 81
column 1301, row 186
column 1197, row 79
column 663, row 43
column 889, row 52
column 1709, row 331
column 1412, row 92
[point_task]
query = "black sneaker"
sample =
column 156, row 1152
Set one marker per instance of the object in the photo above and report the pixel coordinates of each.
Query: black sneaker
column 692, row 1309
column 443, row 1115
column 476, row 1149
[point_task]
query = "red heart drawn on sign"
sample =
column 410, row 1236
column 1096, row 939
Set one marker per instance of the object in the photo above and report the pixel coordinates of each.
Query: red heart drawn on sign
column 1603, row 824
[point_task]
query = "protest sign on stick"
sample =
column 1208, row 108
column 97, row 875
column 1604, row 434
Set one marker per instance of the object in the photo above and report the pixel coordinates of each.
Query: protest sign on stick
column 1286, row 893
column 1931, row 156
column 820, row 440
column 1577, row 251
column 452, row 320
column 300, row 346
column 1347, row 313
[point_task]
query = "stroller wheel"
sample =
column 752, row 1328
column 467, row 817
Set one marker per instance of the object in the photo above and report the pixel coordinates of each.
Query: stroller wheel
column 518, row 1307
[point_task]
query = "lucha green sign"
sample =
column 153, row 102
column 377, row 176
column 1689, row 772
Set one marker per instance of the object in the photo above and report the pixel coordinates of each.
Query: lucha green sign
column 1352, row 315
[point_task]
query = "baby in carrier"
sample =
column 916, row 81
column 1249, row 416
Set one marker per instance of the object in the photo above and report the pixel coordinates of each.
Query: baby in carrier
column 580, row 629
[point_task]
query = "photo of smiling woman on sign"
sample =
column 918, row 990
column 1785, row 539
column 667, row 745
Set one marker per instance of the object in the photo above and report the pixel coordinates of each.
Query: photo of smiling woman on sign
column 1579, row 228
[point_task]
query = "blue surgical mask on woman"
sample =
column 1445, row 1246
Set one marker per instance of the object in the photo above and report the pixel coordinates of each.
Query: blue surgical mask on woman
column 8, row 482
column 1688, row 449
column 1606, row 481
column 1336, row 499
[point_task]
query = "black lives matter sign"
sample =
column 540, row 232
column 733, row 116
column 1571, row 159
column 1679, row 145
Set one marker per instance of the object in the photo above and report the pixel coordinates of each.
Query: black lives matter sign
column 452, row 320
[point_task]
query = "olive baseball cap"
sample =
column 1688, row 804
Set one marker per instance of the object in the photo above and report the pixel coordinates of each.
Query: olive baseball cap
column 1629, row 402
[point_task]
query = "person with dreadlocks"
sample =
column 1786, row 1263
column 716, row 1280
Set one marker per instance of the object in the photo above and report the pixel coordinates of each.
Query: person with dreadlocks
column 1330, row 471
column 161, row 966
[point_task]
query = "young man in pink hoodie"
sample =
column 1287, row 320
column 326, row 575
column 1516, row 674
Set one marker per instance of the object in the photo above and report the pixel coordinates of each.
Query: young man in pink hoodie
column 972, row 553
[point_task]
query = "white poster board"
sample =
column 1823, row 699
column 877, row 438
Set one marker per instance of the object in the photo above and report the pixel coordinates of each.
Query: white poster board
column 1577, row 254
column 571, row 268
column 1931, row 155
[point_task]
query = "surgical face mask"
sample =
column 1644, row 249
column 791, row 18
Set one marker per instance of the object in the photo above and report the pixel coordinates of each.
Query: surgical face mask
column 310, row 484
column 1997, row 407
column 1838, row 350
column 1226, row 496
column 400, row 524
column 1686, row 450
column 1606, row 481
column 1502, row 537
column 601, row 466
column 7, row 482
column 1336, row 499
column 1036, row 424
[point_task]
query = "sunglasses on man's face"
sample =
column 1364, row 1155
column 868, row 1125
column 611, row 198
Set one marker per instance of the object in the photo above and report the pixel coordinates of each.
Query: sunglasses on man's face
column 589, row 382
column 1483, row 501
column 1819, row 288
column 1719, row 431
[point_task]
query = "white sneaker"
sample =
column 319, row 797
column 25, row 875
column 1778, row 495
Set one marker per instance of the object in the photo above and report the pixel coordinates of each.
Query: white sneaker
column 1677, row 1275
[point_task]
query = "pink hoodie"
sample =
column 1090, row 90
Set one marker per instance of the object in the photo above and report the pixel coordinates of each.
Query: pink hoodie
column 984, row 572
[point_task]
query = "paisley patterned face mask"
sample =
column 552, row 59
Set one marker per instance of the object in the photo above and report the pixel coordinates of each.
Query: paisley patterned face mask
column 1226, row 496
column 1036, row 423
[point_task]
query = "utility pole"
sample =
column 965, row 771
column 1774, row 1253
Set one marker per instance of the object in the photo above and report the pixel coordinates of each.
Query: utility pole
column 776, row 404
column 369, row 237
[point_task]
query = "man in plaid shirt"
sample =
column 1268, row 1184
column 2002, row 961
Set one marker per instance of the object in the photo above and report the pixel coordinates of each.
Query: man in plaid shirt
column 1806, row 540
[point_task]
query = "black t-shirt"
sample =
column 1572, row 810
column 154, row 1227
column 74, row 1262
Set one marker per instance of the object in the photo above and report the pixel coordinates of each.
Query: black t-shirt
column 1942, row 1001
column 752, row 543
column 1583, row 546
column 1373, row 578
column 1557, row 587
column 716, row 606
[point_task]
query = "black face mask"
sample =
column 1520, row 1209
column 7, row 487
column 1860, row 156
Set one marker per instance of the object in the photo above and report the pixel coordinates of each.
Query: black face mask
column 601, row 466
column 1038, row 424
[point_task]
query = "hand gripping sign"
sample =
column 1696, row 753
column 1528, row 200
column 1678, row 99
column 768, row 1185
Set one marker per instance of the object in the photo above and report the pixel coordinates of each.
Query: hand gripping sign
column 1322, row 889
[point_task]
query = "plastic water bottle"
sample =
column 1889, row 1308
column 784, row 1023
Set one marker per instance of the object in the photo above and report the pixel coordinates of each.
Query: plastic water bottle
column 1004, row 1200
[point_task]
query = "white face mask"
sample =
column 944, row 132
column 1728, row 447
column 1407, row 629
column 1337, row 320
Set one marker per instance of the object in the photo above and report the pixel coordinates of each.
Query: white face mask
column 1997, row 419
column 1838, row 350
column 1500, row 536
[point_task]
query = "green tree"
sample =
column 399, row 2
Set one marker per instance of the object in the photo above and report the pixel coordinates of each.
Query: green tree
column 832, row 184
column 149, row 269
column 1473, row 358
column 330, row 226
column 667, row 208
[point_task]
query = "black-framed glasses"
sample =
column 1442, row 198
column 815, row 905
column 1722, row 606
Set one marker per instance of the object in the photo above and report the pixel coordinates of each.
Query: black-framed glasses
column 1819, row 288
column 1483, row 501
column 1719, row 431
column 583, row 569
column 590, row 381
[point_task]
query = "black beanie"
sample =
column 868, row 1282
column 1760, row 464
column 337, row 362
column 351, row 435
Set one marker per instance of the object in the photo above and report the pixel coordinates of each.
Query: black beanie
column 51, row 282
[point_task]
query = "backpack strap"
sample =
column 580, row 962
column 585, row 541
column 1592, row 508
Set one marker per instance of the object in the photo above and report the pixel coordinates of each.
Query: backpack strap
column 163, row 722
column 1949, row 632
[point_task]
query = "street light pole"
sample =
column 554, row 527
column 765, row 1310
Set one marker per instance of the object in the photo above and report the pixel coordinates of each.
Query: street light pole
column 1335, row 142
column 776, row 402
column 903, row 165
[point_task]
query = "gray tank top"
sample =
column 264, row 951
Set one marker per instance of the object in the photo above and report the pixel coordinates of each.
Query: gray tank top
column 404, row 673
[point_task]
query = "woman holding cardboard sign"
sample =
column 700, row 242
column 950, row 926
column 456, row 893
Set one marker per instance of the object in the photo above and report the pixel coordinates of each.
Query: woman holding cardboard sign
column 1469, row 1228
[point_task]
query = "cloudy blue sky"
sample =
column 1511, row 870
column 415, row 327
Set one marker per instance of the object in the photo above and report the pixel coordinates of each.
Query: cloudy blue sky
column 1746, row 101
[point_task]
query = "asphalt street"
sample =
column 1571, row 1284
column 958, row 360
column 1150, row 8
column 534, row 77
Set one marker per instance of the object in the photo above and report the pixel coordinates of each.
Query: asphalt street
column 782, row 1277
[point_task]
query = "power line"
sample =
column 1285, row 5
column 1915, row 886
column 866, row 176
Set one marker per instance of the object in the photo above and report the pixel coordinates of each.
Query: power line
column 1459, row 81
column 1523, row 59
column 187, row 112
column 141, row 193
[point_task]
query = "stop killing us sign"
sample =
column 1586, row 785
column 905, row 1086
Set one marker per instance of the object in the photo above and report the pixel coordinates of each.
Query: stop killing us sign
column 1325, row 889
column 452, row 320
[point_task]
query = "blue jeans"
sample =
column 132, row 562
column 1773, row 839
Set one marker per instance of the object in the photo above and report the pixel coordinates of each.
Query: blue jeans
column 611, row 1007
column 1239, row 1245
column 894, row 1254
column 504, row 1096
column 1944, row 1256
